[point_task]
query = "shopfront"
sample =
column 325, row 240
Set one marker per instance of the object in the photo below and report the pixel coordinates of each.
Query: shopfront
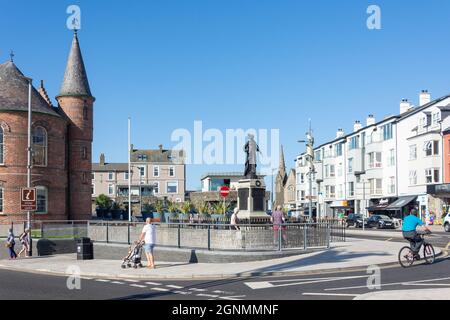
column 442, row 192
column 402, row 206
column 379, row 206
column 342, row 207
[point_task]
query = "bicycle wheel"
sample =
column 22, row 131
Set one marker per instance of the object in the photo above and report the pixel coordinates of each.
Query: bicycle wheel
column 406, row 257
column 428, row 253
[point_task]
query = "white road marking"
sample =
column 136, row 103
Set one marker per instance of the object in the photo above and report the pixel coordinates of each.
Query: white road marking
column 102, row 280
column 86, row 278
column 273, row 284
column 197, row 290
column 389, row 284
column 182, row 292
column 174, row 286
column 118, row 282
column 154, row 283
column 207, row 295
column 426, row 284
column 138, row 285
column 232, row 298
column 330, row 294
column 222, row 292
column 129, row 280
column 160, row 289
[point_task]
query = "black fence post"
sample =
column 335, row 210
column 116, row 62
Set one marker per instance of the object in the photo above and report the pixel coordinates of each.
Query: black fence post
column 305, row 237
column 279, row 238
column 209, row 237
column 179, row 235
column 129, row 239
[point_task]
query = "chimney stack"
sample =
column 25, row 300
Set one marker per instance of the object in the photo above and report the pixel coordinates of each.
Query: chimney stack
column 404, row 106
column 102, row 159
column 424, row 97
column 370, row 120
column 357, row 126
column 340, row 133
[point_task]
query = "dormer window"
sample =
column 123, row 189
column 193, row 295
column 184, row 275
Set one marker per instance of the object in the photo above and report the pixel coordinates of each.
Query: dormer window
column 435, row 118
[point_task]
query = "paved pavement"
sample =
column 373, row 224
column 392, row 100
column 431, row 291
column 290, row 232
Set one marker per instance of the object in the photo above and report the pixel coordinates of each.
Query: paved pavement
column 355, row 253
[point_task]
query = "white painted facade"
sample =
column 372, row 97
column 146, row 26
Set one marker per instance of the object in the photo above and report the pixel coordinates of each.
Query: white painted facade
column 377, row 160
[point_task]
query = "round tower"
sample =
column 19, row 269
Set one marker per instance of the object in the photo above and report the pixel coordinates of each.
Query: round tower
column 76, row 101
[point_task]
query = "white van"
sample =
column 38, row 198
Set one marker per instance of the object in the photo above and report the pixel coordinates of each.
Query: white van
column 447, row 223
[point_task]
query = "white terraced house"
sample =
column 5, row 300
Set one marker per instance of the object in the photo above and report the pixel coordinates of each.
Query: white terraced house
column 381, row 167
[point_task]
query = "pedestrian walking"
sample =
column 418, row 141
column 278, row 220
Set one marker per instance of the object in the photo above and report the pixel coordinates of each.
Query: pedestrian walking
column 24, row 239
column 235, row 220
column 10, row 243
column 148, row 235
column 277, row 219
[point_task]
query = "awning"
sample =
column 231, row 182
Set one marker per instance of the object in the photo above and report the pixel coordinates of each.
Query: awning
column 339, row 204
column 378, row 207
column 401, row 202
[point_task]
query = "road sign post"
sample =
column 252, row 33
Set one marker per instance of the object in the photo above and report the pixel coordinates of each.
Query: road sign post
column 28, row 203
column 28, row 199
column 224, row 193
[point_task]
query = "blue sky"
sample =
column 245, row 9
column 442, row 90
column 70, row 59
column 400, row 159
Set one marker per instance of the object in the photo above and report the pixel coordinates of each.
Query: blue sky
column 168, row 63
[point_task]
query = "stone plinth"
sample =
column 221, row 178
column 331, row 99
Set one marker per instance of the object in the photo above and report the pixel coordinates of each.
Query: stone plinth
column 252, row 200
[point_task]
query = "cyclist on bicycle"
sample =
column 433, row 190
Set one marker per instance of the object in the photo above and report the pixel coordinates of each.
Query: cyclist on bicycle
column 412, row 233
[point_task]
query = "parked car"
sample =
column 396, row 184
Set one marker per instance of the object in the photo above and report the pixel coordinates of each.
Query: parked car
column 352, row 218
column 447, row 223
column 380, row 222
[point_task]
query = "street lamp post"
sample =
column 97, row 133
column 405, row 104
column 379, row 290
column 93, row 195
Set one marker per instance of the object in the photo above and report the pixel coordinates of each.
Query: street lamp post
column 29, row 155
column 310, row 159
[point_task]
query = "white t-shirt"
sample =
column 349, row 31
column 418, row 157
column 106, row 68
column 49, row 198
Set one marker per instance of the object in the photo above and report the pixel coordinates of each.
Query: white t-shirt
column 150, row 233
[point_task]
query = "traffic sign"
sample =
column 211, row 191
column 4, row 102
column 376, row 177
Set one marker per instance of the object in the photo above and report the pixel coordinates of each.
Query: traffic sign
column 224, row 191
column 28, row 199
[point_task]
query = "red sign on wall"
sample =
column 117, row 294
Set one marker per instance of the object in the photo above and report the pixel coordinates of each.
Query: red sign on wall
column 28, row 199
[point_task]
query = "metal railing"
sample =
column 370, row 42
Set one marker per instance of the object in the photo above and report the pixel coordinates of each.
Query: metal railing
column 222, row 236
column 217, row 235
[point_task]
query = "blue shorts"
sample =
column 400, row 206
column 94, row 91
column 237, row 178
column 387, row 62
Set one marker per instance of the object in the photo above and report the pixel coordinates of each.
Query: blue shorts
column 148, row 247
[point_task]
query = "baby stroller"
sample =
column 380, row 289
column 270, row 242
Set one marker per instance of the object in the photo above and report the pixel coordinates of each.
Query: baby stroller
column 133, row 258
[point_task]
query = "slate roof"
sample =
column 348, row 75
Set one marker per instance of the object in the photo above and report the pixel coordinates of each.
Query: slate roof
column 122, row 167
column 14, row 92
column 75, row 81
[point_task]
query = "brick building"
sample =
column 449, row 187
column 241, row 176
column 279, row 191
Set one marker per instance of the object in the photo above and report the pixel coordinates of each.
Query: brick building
column 61, row 143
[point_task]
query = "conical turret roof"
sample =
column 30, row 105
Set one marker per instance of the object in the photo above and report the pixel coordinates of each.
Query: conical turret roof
column 75, row 81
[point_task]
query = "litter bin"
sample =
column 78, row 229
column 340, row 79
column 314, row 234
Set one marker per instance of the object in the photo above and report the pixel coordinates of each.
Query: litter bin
column 85, row 249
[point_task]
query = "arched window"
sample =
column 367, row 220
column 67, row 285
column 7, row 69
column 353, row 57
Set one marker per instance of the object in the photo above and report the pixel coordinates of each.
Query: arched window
column 39, row 147
column 42, row 199
column 2, row 148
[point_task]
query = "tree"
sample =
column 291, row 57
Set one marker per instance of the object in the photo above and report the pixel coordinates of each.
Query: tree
column 186, row 207
column 103, row 201
column 159, row 206
column 172, row 207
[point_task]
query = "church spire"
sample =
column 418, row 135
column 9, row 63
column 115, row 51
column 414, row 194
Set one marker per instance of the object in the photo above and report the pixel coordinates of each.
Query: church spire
column 282, row 164
column 75, row 81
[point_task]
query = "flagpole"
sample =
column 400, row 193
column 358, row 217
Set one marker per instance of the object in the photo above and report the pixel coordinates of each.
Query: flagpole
column 129, row 169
